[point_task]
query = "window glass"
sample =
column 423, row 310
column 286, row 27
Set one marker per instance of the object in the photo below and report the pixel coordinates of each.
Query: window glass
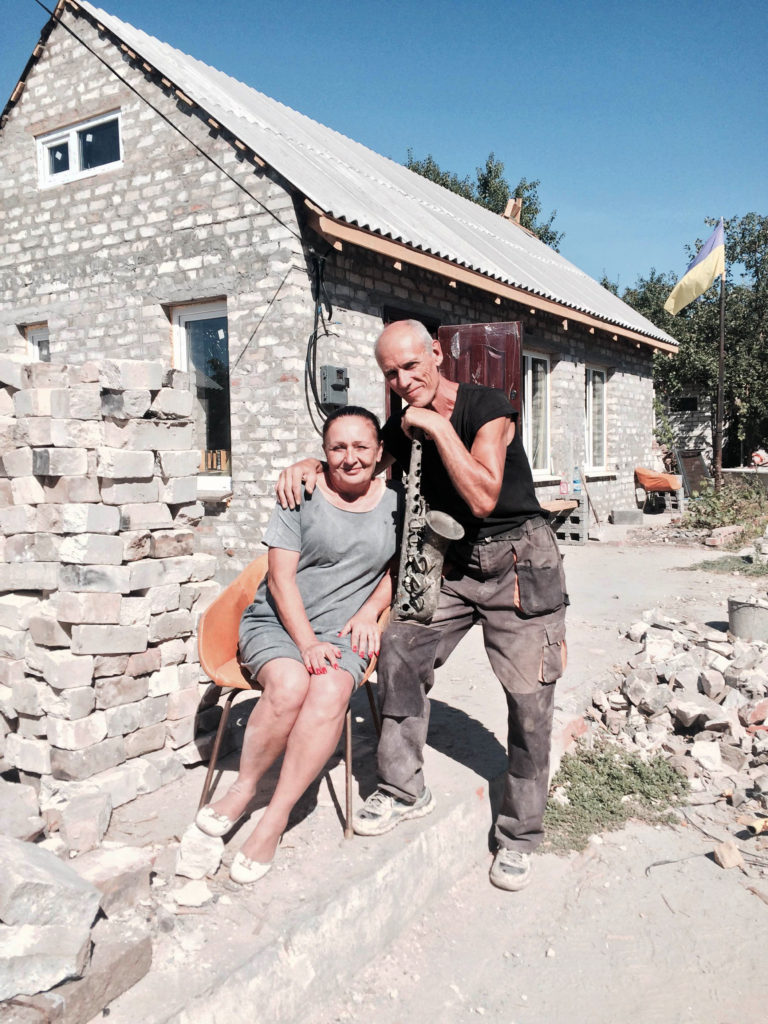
column 39, row 343
column 99, row 144
column 80, row 150
column 595, row 405
column 204, row 354
column 536, row 411
column 58, row 158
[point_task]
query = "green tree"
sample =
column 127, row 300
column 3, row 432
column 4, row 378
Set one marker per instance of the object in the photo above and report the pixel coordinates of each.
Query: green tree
column 694, row 368
column 428, row 168
column 492, row 190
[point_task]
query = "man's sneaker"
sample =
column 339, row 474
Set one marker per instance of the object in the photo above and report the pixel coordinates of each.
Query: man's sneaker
column 382, row 811
column 511, row 869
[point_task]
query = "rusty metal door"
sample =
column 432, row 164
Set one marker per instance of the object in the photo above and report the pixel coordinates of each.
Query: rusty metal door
column 489, row 354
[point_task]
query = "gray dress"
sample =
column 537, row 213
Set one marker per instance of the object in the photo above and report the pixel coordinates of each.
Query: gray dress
column 342, row 557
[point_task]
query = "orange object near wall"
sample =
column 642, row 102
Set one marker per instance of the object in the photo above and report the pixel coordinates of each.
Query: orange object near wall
column 653, row 481
column 220, row 627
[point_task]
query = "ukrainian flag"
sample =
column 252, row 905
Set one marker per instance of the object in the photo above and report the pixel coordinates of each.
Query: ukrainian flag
column 701, row 272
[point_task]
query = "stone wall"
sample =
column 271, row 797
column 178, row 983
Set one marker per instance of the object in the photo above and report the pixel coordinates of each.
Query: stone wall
column 101, row 585
column 693, row 428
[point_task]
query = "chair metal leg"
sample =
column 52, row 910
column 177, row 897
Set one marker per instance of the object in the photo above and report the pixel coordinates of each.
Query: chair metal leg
column 216, row 746
column 348, row 771
column 374, row 708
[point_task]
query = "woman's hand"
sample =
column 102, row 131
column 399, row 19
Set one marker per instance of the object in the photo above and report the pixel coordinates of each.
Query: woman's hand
column 365, row 633
column 318, row 655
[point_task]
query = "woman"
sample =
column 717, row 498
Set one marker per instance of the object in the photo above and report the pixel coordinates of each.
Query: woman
column 311, row 630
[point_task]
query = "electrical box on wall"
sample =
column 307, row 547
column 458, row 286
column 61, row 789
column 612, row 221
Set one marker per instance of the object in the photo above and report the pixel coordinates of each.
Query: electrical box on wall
column 334, row 384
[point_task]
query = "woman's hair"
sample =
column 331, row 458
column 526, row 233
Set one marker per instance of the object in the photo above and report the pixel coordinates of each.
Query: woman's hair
column 352, row 410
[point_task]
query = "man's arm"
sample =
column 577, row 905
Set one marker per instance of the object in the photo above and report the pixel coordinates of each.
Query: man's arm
column 476, row 473
column 303, row 475
column 289, row 484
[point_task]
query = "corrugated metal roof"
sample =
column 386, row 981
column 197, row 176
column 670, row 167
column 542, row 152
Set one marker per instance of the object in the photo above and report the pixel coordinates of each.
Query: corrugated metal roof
column 354, row 184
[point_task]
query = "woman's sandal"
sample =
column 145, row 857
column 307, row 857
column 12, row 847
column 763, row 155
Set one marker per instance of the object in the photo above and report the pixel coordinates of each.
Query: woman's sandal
column 213, row 824
column 244, row 870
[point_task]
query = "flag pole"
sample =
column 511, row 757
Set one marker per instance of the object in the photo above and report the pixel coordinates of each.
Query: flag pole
column 718, row 446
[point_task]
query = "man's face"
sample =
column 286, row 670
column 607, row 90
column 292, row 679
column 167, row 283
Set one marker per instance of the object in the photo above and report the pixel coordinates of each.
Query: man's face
column 411, row 371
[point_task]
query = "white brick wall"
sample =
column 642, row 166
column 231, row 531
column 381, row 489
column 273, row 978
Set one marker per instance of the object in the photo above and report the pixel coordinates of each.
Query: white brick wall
column 92, row 643
column 111, row 255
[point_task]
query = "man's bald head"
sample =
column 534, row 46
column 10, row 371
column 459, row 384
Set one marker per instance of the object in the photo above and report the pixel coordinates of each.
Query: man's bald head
column 410, row 360
column 411, row 329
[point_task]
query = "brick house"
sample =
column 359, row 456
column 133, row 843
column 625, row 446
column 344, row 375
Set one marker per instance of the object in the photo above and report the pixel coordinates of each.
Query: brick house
column 155, row 208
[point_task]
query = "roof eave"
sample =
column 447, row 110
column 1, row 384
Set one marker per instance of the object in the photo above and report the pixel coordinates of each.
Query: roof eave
column 338, row 232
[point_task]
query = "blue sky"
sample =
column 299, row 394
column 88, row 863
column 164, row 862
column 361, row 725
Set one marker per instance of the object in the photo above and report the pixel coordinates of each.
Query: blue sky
column 640, row 119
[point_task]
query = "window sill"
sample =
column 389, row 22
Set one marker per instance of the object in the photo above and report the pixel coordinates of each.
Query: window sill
column 212, row 488
column 65, row 178
column 545, row 481
column 595, row 475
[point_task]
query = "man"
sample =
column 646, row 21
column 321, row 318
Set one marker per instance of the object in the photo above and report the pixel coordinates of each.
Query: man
column 506, row 574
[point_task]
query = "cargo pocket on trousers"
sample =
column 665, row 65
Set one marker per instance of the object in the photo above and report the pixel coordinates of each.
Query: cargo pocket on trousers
column 553, row 654
column 540, row 588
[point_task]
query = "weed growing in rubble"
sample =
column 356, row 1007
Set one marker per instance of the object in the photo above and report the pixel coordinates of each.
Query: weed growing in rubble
column 606, row 786
column 745, row 565
column 738, row 503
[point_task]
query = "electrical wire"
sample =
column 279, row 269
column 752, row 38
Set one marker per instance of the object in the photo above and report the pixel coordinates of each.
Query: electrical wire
column 319, row 295
column 168, row 121
column 319, row 292
column 254, row 332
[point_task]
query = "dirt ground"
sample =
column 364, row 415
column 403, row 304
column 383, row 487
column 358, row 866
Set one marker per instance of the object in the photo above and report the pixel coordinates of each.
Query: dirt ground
column 596, row 937
column 643, row 927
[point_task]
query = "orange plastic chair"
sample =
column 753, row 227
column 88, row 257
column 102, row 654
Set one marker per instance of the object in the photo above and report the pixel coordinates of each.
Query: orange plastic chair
column 217, row 643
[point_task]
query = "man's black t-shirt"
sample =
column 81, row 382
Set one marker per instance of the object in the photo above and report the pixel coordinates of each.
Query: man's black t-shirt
column 475, row 406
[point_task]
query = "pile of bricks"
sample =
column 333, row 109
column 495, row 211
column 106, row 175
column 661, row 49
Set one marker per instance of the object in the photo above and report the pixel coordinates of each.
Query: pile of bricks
column 101, row 586
column 700, row 698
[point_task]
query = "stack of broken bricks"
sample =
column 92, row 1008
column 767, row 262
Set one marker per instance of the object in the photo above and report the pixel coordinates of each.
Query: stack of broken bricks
column 698, row 697
column 102, row 697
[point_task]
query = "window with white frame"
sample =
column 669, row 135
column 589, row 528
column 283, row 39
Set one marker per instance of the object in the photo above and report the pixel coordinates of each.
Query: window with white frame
column 595, row 417
column 201, row 348
column 80, row 150
column 536, row 411
column 38, row 343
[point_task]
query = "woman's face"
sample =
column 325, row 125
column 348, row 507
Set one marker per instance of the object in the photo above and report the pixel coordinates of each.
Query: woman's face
column 351, row 451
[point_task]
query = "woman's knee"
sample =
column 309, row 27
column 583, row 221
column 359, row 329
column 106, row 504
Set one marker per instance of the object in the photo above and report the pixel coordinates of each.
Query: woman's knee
column 285, row 686
column 330, row 693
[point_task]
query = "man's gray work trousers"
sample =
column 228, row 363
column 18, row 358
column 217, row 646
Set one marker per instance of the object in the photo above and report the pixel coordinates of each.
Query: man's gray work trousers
column 515, row 588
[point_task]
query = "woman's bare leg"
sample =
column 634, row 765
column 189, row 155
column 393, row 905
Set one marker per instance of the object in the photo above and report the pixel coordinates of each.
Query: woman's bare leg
column 285, row 684
column 311, row 742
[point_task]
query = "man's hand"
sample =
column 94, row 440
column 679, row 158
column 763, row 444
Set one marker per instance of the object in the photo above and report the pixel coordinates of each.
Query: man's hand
column 366, row 635
column 289, row 484
column 415, row 418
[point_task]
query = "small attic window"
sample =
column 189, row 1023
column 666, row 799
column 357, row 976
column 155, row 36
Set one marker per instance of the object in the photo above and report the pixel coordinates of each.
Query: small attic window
column 80, row 150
